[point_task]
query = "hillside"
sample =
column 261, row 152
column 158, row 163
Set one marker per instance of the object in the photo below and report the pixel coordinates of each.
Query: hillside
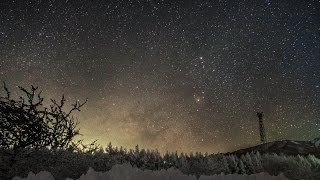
column 287, row 147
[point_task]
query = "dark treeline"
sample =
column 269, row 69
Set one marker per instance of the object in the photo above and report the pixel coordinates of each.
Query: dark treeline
column 64, row 163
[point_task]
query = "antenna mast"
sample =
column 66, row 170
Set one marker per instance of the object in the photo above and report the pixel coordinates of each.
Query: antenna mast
column 263, row 137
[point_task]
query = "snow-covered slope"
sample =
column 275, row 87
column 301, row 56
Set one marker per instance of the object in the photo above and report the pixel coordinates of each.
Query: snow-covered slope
column 126, row 172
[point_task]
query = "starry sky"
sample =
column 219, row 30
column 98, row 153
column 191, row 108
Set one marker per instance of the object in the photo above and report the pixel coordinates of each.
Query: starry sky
column 171, row 74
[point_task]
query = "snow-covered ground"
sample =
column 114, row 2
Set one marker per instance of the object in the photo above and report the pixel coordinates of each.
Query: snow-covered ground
column 127, row 172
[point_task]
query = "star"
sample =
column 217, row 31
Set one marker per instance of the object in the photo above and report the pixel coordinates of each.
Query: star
column 178, row 70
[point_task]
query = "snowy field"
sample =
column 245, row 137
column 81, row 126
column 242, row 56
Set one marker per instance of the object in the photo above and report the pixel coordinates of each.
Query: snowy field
column 126, row 172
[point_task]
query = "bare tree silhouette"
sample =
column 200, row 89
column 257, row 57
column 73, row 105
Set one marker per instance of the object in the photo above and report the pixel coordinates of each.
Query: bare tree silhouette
column 25, row 123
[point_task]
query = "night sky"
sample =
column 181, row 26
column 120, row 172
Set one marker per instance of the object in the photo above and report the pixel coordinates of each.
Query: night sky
column 169, row 74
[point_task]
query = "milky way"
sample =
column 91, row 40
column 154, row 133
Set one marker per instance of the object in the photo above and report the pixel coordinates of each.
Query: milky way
column 171, row 75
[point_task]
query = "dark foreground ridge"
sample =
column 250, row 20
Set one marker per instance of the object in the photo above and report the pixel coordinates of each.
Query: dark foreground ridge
column 286, row 147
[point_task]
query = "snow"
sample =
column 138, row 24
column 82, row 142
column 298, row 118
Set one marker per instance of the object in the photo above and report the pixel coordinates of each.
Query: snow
column 127, row 172
column 42, row 175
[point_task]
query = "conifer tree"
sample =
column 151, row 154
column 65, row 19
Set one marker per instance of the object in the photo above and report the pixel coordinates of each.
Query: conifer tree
column 256, row 162
column 225, row 165
column 246, row 159
column 315, row 162
column 233, row 164
column 242, row 169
